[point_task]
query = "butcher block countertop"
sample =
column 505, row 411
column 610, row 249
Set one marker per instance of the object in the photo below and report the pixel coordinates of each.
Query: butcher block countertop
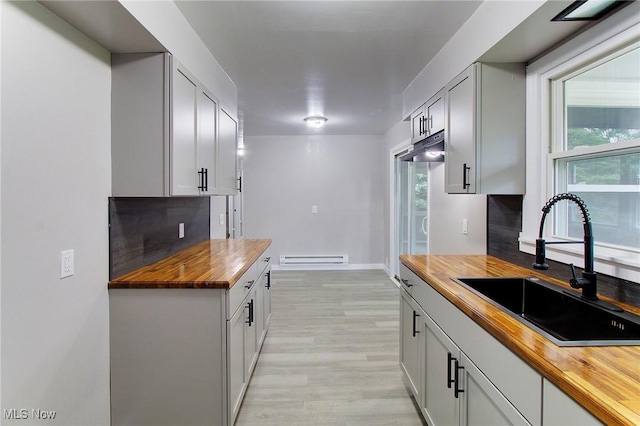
column 605, row 380
column 217, row 263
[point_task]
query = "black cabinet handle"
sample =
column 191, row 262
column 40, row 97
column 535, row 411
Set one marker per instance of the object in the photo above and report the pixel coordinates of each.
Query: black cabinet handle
column 240, row 184
column 450, row 381
column 249, row 284
column 415, row 330
column 406, row 282
column 267, row 259
column 465, row 182
column 455, row 381
column 203, row 177
column 250, row 307
column 268, row 280
column 456, row 390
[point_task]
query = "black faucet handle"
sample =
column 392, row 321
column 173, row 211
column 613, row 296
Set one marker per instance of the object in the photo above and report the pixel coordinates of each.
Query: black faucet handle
column 576, row 282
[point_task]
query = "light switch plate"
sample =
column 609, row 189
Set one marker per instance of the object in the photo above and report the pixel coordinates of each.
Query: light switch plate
column 181, row 230
column 66, row 263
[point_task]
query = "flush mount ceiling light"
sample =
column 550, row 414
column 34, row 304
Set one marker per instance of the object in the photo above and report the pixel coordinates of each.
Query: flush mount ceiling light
column 315, row 122
column 589, row 10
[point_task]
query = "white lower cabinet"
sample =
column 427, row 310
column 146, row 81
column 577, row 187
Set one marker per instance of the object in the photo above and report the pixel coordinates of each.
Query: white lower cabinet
column 237, row 379
column 456, row 392
column 185, row 356
column 459, row 374
column 439, row 405
column 483, row 403
column 410, row 342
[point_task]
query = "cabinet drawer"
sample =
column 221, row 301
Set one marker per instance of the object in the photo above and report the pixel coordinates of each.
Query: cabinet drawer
column 264, row 261
column 408, row 280
column 240, row 290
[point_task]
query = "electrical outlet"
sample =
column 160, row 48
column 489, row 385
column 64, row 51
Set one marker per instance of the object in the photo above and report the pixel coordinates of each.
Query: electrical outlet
column 66, row 263
column 465, row 226
column 314, row 209
column 181, row 230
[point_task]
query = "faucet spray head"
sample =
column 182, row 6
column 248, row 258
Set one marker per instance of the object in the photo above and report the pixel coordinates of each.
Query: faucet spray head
column 541, row 261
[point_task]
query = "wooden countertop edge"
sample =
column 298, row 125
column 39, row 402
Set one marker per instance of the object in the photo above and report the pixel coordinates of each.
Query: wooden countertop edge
column 609, row 411
column 126, row 283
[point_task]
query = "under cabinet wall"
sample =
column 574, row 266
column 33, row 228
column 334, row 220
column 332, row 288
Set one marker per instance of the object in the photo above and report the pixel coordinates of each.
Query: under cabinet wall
column 144, row 230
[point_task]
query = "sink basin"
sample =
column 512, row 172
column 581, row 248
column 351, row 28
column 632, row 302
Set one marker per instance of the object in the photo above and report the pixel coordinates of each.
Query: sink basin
column 560, row 315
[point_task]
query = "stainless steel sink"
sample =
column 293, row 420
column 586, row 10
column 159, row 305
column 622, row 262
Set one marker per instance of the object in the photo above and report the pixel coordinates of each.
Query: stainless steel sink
column 560, row 315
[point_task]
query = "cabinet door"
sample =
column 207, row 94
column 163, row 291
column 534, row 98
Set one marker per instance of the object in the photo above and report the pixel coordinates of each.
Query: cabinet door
column 251, row 333
column 183, row 174
column 435, row 113
column 207, row 146
column 440, row 405
column 482, row 403
column 410, row 338
column 259, row 311
column 227, row 155
column 418, row 125
column 460, row 137
column 236, row 378
column 267, row 300
column 265, row 306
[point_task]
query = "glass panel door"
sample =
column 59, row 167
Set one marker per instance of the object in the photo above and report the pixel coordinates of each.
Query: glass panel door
column 411, row 198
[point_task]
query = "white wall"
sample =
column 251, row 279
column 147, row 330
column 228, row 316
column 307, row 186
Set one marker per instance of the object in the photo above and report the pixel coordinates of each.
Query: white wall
column 284, row 176
column 446, row 212
column 491, row 22
column 55, row 183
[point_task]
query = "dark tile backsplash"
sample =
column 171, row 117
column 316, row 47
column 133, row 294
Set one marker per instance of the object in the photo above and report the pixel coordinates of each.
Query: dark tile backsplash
column 144, row 230
column 504, row 223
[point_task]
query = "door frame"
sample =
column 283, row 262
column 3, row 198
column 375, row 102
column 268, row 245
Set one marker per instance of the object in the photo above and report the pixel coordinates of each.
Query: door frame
column 393, row 249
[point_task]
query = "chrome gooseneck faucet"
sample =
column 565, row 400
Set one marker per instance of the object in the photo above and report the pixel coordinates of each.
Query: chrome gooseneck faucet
column 588, row 282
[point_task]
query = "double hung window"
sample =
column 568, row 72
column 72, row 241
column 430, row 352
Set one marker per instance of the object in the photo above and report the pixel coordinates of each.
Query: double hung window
column 595, row 148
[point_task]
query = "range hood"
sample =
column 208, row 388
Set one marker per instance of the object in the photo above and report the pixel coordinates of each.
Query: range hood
column 430, row 149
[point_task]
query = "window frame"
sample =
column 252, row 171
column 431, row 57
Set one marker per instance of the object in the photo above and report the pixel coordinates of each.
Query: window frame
column 598, row 43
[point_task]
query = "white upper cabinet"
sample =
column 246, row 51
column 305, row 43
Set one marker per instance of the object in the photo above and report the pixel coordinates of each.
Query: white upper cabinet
column 485, row 130
column 435, row 113
column 184, row 140
column 418, row 124
column 207, row 154
column 165, row 128
column 227, row 153
column 429, row 119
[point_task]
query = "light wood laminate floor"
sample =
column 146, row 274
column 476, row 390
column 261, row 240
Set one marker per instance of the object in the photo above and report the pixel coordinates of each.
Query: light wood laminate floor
column 331, row 354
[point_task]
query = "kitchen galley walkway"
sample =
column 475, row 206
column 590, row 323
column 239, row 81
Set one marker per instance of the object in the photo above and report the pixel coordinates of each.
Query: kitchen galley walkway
column 331, row 354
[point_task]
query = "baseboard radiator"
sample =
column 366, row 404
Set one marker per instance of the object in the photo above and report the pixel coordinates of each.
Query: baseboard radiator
column 318, row 260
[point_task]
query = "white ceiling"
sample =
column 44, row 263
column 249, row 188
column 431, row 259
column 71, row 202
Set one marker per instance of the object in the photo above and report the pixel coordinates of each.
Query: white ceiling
column 346, row 60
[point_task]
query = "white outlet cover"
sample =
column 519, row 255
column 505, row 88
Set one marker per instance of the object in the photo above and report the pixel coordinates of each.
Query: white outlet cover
column 181, row 230
column 67, row 263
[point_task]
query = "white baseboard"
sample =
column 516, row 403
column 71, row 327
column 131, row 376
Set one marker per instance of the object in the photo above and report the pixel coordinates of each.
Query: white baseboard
column 328, row 267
